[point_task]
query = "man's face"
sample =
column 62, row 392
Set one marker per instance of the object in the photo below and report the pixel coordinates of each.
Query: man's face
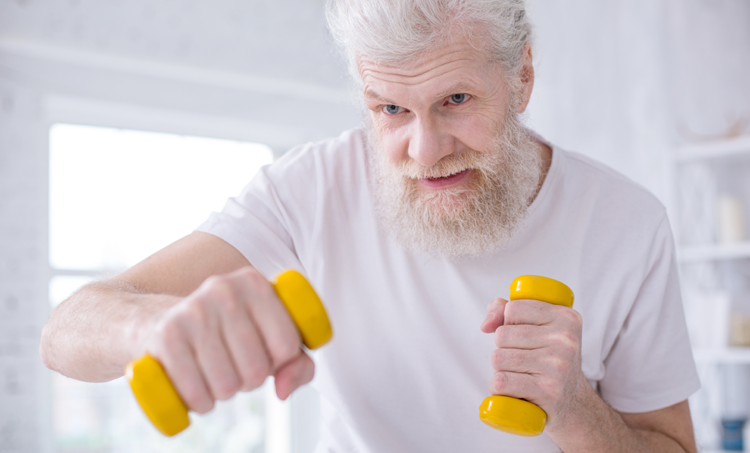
column 455, row 168
column 448, row 103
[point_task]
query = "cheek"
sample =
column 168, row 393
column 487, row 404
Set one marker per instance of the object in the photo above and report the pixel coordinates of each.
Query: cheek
column 477, row 133
column 395, row 144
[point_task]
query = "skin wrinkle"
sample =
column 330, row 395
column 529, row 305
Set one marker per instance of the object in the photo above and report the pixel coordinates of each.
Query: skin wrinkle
column 418, row 78
column 481, row 212
column 369, row 69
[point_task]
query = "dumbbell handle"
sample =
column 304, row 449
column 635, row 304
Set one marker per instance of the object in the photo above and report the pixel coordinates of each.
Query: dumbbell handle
column 513, row 415
column 159, row 399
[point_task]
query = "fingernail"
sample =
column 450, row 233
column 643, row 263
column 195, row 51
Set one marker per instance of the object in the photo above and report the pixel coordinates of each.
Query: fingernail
column 490, row 316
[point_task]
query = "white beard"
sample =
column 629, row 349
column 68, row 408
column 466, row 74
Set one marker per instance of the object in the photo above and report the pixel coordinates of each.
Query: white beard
column 465, row 221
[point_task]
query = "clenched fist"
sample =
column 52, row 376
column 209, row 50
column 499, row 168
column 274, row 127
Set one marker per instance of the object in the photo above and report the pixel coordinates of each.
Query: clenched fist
column 538, row 355
column 228, row 336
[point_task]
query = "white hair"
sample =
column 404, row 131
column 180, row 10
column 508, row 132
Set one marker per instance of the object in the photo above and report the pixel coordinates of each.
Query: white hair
column 399, row 31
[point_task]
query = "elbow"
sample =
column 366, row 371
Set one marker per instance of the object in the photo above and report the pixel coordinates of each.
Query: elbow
column 45, row 346
column 44, row 353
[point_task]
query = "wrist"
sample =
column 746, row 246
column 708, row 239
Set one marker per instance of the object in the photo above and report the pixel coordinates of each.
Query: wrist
column 576, row 407
column 148, row 310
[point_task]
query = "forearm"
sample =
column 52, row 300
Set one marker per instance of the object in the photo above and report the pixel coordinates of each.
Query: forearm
column 593, row 426
column 98, row 330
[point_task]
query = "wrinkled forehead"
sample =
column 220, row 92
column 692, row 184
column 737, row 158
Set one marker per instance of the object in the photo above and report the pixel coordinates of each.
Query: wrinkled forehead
column 459, row 41
column 455, row 67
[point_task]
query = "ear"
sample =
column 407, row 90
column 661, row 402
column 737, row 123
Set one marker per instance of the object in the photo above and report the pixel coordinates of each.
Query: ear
column 525, row 78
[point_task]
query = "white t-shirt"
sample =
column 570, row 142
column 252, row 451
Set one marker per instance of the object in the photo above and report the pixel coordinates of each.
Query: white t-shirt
column 408, row 366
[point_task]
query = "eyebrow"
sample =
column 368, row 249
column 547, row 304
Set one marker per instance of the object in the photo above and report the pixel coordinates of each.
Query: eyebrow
column 460, row 87
column 373, row 95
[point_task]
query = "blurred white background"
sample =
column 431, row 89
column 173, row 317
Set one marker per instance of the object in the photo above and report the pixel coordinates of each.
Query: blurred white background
column 197, row 95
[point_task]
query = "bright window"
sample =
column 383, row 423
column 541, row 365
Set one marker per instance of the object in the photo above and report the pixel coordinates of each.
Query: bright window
column 117, row 196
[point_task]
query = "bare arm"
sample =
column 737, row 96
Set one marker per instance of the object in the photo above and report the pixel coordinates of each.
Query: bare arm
column 93, row 334
column 595, row 427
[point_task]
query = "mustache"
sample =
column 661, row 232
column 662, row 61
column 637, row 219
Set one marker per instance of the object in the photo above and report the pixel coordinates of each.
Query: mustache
column 447, row 166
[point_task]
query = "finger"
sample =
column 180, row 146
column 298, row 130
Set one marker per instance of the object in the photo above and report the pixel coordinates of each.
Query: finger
column 294, row 374
column 218, row 368
column 517, row 361
column 521, row 336
column 495, row 316
column 178, row 361
column 534, row 312
column 245, row 346
column 277, row 330
column 204, row 323
column 515, row 385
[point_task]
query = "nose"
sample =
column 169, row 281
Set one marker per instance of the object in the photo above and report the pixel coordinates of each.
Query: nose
column 427, row 144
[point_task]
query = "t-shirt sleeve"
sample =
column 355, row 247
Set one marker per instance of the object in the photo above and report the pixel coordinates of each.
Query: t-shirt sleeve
column 650, row 365
column 256, row 223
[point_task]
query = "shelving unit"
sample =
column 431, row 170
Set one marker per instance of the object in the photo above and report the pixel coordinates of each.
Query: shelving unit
column 702, row 172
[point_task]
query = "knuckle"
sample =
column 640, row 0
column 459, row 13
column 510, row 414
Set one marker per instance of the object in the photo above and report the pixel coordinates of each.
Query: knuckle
column 213, row 282
column 285, row 349
column 498, row 383
column 573, row 317
column 257, row 374
column 248, row 272
column 502, row 336
column 218, row 291
column 558, row 365
column 227, row 388
column 252, row 277
column 571, row 340
column 168, row 332
column 196, row 400
column 495, row 304
column 551, row 388
column 194, row 318
column 513, row 310
column 565, row 339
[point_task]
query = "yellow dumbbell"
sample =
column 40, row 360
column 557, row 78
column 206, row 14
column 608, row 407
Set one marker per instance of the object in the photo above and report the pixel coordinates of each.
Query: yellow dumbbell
column 513, row 415
column 158, row 397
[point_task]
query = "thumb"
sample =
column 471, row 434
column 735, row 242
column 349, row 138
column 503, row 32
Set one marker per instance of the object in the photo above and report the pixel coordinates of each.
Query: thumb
column 495, row 316
column 293, row 374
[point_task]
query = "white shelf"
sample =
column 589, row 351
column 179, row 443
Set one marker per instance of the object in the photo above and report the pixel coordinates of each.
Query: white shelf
column 713, row 252
column 722, row 355
column 732, row 147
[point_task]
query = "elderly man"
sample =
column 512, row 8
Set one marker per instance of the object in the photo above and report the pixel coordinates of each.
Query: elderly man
column 411, row 229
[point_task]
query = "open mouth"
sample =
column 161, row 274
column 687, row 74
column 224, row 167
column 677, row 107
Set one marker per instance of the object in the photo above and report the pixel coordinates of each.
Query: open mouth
column 447, row 177
column 444, row 181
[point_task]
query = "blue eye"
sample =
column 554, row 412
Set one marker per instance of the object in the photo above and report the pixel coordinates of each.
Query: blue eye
column 459, row 98
column 391, row 109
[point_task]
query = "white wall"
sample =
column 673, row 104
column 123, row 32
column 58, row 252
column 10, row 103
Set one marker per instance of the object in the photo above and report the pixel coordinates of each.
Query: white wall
column 614, row 81
column 621, row 81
